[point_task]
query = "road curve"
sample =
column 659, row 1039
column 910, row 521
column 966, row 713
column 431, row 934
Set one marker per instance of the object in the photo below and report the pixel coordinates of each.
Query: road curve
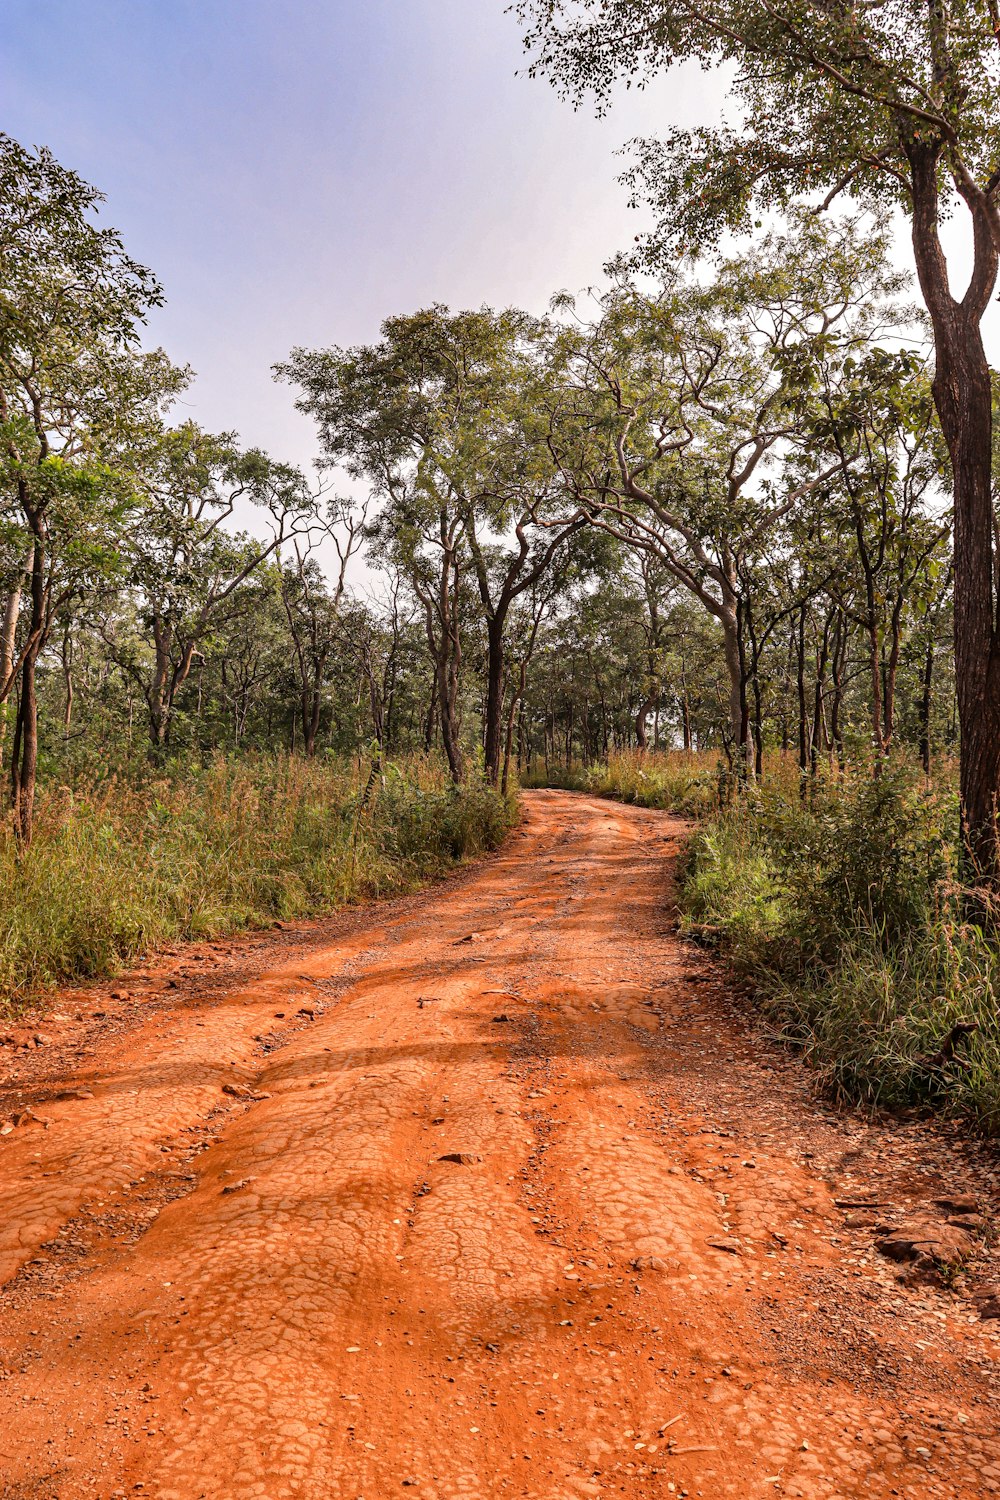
column 487, row 1192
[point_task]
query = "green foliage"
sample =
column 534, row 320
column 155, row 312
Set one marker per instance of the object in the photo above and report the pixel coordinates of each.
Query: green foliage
column 119, row 867
column 845, row 918
column 831, row 97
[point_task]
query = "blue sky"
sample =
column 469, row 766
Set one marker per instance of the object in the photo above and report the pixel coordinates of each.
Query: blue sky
column 296, row 171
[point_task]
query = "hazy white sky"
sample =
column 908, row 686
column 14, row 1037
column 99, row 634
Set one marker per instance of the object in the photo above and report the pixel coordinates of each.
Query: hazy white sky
column 295, row 170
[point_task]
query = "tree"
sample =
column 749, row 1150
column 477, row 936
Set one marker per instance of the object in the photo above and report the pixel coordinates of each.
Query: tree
column 876, row 415
column 438, row 416
column 71, row 385
column 312, row 609
column 183, row 565
column 418, row 534
column 681, row 420
column 895, row 103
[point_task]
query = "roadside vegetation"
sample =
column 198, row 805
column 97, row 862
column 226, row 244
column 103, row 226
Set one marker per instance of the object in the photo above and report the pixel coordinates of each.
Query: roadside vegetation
column 847, row 916
column 119, row 867
column 840, row 903
column 687, row 784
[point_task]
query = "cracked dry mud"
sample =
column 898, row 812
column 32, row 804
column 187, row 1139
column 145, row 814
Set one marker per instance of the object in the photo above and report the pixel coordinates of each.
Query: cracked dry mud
column 505, row 1198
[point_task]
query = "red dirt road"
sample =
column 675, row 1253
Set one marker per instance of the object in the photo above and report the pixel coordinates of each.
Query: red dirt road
column 504, row 1198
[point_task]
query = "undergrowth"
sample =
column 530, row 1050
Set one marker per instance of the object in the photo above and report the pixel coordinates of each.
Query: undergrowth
column 846, row 916
column 123, row 865
column 675, row 781
column 844, row 913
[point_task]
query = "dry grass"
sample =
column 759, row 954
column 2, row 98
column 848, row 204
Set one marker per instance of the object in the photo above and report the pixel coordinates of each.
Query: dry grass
column 121, row 866
column 675, row 780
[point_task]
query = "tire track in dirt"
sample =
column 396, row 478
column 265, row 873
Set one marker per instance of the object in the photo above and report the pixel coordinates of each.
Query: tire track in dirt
column 520, row 1207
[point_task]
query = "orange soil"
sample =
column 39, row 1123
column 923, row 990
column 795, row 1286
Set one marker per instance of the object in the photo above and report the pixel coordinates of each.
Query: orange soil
column 632, row 1281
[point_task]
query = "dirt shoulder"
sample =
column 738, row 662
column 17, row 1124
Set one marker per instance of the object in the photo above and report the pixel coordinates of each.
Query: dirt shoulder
column 490, row 1191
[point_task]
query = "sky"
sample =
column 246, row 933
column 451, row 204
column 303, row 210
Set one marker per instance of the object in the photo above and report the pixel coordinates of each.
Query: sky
column 296, row 170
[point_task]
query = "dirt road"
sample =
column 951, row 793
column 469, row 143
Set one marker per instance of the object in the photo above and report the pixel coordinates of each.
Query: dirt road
column 487, row 1192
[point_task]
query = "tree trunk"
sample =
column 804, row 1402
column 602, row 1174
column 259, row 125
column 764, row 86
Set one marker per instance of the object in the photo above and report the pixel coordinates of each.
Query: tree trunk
column 447, row 703
column 8, row 639
column 645, row 709
column 431, row 718
column 925, row 708
column 739, row 718
column 159, row 693
column 512, row 715
column 836, row 702
column 800, row 683
column 24, row 765
column 963, row 398
column 964, row 402
column 493, row 716
column 68, row 697
column 685, row 710
column 818, row 723
column 312, row 704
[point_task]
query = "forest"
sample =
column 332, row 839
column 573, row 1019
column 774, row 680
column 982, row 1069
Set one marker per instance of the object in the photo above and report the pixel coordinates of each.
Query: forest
column 711, row 514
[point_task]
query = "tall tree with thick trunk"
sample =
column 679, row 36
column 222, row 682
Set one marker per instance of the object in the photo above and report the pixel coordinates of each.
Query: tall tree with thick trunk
column 894, row 102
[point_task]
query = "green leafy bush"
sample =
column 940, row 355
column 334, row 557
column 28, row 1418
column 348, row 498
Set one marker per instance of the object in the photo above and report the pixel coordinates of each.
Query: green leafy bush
column 846, row 917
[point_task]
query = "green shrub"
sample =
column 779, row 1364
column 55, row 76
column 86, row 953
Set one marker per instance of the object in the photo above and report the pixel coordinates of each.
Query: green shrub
column 846, row 918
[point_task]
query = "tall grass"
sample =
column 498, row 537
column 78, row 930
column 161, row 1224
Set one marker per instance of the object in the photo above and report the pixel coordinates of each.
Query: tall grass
column 847, row 918
column 674, row 780
column 128, row 864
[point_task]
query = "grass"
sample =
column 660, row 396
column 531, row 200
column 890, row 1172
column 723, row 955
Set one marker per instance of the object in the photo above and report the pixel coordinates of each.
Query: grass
column 126, row 865
column 674, row 780
column 847, row 919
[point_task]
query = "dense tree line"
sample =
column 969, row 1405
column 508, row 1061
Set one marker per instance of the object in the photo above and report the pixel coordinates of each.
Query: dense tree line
column 893, row 106
column 708, row 506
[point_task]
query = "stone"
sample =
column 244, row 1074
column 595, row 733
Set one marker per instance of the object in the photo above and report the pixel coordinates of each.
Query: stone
column 959, row 1203
column 987, row 1299
column 725, row 1242
column 243, row 1091
column 461, row 1158
column 234, row 1187
column 943, row 1243
column 974, row 1223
